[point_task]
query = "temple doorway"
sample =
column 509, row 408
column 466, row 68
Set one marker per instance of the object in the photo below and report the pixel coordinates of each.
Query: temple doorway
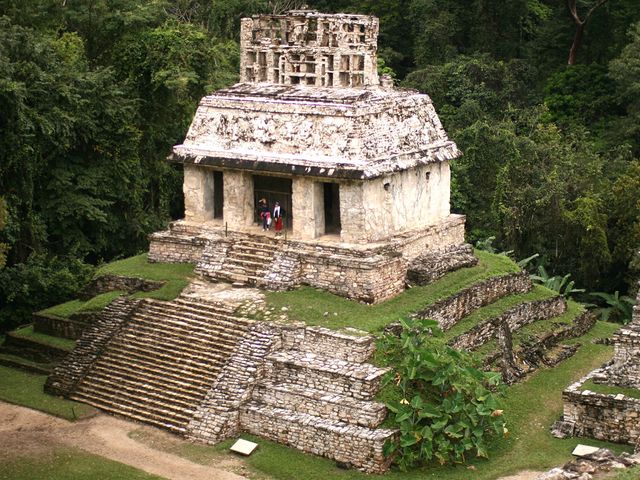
column 218, row 194
column 332, row 208
column 273, row 189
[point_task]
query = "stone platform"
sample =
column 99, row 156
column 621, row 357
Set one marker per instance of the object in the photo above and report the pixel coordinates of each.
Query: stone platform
column 369, row 273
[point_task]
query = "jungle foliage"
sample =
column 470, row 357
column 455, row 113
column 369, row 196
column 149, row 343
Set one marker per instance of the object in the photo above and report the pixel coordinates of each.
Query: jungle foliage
column 93, row 93
column 445, row 407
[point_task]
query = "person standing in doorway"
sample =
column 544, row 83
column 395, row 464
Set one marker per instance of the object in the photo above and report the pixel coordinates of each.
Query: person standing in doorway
column 265, row 215
column 278, row 215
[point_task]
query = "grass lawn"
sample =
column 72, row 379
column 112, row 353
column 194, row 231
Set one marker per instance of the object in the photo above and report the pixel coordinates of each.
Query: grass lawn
column 65, row 310
column 309, row 304
column 630, row 474
column 610, row 389
column 27, row 332
column 175, row 275
column 69, row 464
column 26, row 389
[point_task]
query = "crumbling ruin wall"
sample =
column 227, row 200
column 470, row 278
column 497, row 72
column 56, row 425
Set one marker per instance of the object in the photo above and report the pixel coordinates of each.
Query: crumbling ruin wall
column 608, row 417
column 111, row 283
column 449, row 311
column 514, row 319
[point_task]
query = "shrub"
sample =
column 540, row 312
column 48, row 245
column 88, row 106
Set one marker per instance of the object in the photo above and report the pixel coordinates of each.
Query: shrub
column 443, row 405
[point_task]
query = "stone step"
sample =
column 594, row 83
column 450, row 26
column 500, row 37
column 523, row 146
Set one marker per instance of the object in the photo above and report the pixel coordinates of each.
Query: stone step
column 358, row 380
column 252, row 257
column 117, row 386
column 206, row 317
column 132, row 342
column 139, row 403
column 187, row 364
column 341, row 344
column 199, row 304
column 232, row 267
column 198, row 335
column 320, row 403
column 256, row 246
column 135, row 413
column 236, row 277
column 252, row 264
column 359, row 446
column 112, row 364
column 195, row 334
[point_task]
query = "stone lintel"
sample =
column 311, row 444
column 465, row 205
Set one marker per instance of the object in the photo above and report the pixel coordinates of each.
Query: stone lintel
column 309, row 167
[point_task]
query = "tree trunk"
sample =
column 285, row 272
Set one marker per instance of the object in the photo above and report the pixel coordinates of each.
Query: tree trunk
column 580, row 26
column 577, row 43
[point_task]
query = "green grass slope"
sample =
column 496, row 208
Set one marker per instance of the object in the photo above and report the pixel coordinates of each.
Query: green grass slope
column 316, row 307
column 69, row 464
column 175, row 275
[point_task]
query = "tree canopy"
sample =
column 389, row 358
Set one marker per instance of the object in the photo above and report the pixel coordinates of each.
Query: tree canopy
column 93, row 94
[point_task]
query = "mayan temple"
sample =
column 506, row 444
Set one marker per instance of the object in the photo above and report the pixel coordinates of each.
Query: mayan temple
column 361, row 169
column 360, row 172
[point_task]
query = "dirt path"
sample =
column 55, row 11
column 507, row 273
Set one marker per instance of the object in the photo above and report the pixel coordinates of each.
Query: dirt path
column 33, row 432
column 524, row 475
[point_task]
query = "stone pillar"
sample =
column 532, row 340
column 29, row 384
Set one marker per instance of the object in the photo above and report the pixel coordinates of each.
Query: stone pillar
column 246, row 36
column 239, row 208
column 307, row 203
column 198, row 193
column 352, row 213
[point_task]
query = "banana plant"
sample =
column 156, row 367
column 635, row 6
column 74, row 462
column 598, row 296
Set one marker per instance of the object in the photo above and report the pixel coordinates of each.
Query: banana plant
column 619, row 307
column 563, row 285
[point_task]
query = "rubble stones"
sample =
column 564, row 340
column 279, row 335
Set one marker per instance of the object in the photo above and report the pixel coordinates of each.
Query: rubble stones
column 112, row 283
column 431, row 266
column 585, row 467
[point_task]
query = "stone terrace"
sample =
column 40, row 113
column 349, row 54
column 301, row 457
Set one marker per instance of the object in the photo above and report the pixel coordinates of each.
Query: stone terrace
column 610, row 417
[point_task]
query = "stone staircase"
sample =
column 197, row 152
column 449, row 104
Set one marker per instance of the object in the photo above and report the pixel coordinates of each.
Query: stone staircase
column 322, row 403
column 159, row 367
column 242, row 262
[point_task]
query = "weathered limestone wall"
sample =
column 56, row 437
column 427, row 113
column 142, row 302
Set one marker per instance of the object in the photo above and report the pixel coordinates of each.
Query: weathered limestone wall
column 612, row 418
column 625, row 369
column 239, row 208
column 167, row 247
column 351, row 214
column 366, row 274
column 326, row 438
column 304, row 387
column 326, row 133
column 59, row 327
column 307, row 201
column 198, row 193
column 406, row 200
column 369, row 277
column 450, row 310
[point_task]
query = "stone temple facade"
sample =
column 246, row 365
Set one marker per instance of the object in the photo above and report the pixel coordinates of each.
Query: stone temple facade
column 360, row 168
